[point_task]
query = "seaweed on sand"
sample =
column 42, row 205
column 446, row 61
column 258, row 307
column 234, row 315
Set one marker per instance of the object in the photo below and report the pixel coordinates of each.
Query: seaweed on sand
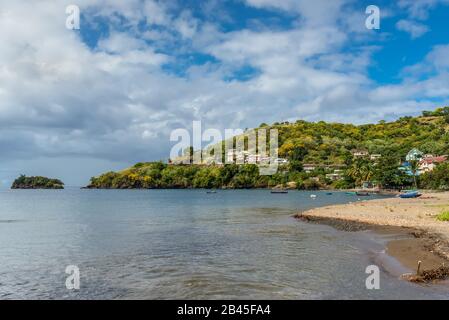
column 427, row 276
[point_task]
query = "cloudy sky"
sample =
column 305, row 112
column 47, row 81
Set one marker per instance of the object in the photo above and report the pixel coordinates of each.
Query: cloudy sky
column 76, row 103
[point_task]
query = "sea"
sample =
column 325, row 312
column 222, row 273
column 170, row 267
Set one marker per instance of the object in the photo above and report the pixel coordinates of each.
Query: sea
column 187, row 244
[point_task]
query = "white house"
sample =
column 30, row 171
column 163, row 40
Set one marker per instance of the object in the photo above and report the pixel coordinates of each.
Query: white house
column 359, row 153
column 230, row 156
column 429, row 162
column 257, row 158
column 337, row 175
column 281, row 161
column 309, row 167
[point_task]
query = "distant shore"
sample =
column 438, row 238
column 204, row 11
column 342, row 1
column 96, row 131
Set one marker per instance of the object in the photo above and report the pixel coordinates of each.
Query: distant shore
column 429, row 238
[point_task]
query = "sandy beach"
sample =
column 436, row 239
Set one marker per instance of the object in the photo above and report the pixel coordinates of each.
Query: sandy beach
column 429, row 238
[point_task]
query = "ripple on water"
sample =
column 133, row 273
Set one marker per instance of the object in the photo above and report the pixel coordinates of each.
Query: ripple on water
column 174, row 244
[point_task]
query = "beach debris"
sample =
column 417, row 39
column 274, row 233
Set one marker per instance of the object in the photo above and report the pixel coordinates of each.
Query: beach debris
column 427, row 276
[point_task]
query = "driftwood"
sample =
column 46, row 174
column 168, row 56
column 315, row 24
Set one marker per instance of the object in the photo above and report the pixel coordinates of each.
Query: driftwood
column 427, row 276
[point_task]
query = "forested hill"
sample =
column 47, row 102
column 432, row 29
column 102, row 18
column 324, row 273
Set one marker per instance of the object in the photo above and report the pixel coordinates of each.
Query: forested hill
column 324, row 145
column 331, row 143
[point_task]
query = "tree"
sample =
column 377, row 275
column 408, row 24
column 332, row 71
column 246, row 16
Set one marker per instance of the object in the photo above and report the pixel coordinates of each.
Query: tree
column 298, row 153
column 414, row 167
column 388, row 174
column 436, row 179
column 361, row 171
column 295, row 166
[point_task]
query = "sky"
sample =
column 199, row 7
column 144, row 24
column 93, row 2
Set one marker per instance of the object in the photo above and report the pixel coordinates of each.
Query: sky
column 77, row 103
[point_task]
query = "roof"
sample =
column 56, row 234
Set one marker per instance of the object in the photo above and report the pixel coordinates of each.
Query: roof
column 359, row 150
column 431, row 160
column 414, row 151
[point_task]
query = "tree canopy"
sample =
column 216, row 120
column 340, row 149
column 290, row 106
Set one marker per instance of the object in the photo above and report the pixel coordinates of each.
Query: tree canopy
column 325, row 145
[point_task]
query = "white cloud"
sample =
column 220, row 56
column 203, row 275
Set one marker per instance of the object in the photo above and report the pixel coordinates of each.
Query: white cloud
column 419, row 9
column 439, row 57
column 415, row 29
column 318, row 12
column 60, row 99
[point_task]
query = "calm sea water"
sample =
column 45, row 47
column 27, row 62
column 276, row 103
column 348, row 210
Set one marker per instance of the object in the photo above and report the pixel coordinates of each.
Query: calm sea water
column 176, row 244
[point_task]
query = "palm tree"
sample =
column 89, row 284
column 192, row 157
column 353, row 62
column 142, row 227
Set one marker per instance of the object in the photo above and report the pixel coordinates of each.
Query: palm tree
column 361, row 171
column 414, row 167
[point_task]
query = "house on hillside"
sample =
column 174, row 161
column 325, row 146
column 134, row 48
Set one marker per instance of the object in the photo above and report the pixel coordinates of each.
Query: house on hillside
column 230, row 156
column 335, row 176
column 281, row 161
column 309, row 167
column 414, row 155
column 369, row 185
column 375, row 157
column 237, row 156
column 246, row 157
column 360, row 153
column 429, row 162
column 258, row 158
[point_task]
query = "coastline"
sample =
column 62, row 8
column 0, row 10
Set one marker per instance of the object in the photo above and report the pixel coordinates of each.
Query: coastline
column 421, row 236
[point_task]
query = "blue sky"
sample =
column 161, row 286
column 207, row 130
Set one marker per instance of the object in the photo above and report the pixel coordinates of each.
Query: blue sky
column 76, row 103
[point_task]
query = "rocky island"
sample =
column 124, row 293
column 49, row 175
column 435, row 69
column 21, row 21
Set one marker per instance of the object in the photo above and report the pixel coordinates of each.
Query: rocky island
column 24, row 182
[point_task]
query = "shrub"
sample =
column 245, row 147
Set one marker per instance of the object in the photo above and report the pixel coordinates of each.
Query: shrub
column 444, row 216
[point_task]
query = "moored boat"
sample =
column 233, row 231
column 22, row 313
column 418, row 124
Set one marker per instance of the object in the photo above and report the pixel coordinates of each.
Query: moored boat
column 410, row 195
column 279, row 191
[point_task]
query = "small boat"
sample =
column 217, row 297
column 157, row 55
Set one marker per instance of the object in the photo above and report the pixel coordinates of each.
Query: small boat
column 362, row 194
column 211, row 192
column 410, row 195
column 279, row 191
column 329, row 193
column 351, row 193
column 313, row 196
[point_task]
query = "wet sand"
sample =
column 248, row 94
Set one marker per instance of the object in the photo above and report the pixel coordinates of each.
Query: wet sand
column 418, row 235
column 409, row 251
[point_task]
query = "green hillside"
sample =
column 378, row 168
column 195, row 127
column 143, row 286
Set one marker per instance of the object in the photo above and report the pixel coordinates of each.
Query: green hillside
column 324, row 147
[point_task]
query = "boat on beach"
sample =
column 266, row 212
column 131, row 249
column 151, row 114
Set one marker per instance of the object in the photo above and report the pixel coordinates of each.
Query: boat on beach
column 362, row 194
column 410, row 195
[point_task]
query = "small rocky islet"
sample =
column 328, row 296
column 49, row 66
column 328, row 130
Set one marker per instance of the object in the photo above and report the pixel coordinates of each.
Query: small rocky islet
column 24, row 182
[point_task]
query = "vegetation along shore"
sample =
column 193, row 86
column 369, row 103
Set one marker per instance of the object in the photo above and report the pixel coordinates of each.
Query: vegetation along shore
column 410, row 152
